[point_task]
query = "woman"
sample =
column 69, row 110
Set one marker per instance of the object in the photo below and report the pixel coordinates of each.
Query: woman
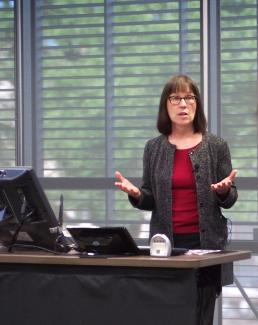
column 187, row 179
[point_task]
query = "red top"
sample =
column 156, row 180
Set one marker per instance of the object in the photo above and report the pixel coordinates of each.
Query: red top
column 185, row 216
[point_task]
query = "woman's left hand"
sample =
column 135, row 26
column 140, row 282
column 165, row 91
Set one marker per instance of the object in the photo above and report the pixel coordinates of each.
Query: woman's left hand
column 223, row 186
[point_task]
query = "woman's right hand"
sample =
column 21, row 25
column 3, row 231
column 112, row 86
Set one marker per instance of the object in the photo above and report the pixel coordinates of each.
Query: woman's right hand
column 126, row 186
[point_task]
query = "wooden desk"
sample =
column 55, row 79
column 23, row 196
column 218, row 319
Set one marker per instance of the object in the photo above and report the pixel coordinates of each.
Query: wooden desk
column 46, row 289
column 182, row 261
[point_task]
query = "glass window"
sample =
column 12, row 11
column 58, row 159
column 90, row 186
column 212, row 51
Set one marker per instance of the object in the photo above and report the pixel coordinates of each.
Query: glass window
column 238, row 72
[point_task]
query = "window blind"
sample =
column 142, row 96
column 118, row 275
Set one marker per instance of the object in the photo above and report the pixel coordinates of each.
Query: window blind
column 102, row 67
column 239, row 101
column 7, row 84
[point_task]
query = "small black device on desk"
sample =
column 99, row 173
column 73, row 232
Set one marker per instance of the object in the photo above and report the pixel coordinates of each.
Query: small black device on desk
column 104, row 241
column 175, row 251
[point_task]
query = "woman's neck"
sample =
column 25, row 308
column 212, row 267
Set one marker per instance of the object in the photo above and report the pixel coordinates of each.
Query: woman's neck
column 184, row 139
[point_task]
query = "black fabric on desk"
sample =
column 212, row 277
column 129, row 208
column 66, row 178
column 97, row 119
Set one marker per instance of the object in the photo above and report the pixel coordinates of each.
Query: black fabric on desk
column 79, row 295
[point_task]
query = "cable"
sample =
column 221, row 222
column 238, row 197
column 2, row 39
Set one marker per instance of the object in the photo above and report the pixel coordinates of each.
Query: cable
column 23, row 219
column 34, row 247
column 229, row 230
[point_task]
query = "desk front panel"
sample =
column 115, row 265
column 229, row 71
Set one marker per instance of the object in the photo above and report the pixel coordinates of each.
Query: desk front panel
column 96, row 295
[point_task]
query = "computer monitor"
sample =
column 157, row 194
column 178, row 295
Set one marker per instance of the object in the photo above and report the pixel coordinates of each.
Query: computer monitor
column 26, row 216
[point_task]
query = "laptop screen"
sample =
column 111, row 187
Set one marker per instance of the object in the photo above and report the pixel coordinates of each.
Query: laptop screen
column 104, row 241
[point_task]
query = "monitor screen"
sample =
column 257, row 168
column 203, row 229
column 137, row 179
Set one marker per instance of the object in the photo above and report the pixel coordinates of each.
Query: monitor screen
column 26, row 216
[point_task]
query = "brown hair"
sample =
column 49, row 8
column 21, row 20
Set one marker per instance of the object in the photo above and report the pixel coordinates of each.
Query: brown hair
column 174, row 85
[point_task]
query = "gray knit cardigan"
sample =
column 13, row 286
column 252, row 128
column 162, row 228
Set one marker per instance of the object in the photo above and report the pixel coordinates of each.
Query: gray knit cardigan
column 211, row 163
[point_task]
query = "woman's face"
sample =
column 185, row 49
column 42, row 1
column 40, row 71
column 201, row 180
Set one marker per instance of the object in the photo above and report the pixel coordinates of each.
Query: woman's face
column 181, row 107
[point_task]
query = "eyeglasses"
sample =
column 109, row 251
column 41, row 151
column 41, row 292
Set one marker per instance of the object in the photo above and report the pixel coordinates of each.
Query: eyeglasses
column 176, row 100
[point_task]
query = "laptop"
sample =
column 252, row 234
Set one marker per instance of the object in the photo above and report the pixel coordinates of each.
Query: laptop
column 103, row 241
